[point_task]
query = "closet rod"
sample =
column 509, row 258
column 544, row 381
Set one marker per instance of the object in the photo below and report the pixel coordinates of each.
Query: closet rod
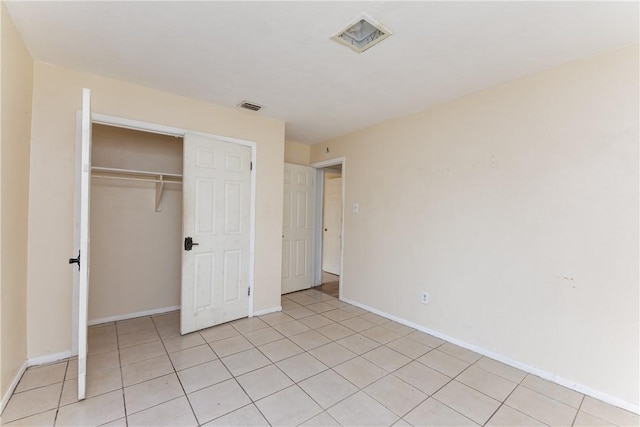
column 126, row 178
column 134, row 172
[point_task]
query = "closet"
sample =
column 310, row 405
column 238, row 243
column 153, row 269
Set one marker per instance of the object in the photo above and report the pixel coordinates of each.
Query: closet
column 136, row 223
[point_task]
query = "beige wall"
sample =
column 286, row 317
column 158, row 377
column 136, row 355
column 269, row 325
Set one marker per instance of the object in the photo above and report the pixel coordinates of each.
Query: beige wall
column 16, row 87
column 295, row 152
column 56, row 98
column 517, row 209
column 135, row 251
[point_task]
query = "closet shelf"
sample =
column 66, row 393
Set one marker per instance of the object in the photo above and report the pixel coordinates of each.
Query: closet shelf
column 159, row 178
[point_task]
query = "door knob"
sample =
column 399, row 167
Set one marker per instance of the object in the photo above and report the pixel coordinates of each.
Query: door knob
column 189, row 243
column 75, row 260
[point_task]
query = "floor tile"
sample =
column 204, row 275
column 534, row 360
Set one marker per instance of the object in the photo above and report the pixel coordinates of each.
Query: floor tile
column 102, row 330
column 137, row 338
column 265, row 336
column 120, row 422
column 98, row 383
column 332, row 354
column 175, row 412
column 72, row 368
column 310, row 340
column 374, row 318
column 395, row 394
column 299, row 312
column 220, row 332
column 354, row 310
column 401, row 423
column 168, row 331
column 288, row 407
column 555, row 391
column 337, row 303
column 183, row 342
column 426, row 339
column 288, row 305
column 97, row 362
column 134, row 325
column 323, row 419
column 92, row 412
column 509, row 417
column 338, row 315
column 170, row 318
column 359, row 344
column 301, row 366
column 141, row 352
column 248, row 324
column 245, row 361
column 39, row 376
column 232, row 345
column 44, row 419
column 102, row 344
column 264, row 381
column 202, row 376
column 490, row 384
column 217, row 400
column 398, row 328
column 153, row 392
column 279, row 350
column 541, row 407
column 303, row 299
column 247, row 416
column 422, row 377
column 408, row 347
column 328, row 388
column 32, row 402
column 360, row 371
column 361, row 409
column 444, row 363
column 358, row 324
column 380, row 334
column 275, row 318
column 467, row 401
column 387, row 359
column 433, row 413
column 335, row 331
column 584, row 419
column 145, row 370
column 609, row 413
column 316, row 321
column 459, row 352
column 193, row 356
column 505, row 371
column 320, row 307
column 289, row 329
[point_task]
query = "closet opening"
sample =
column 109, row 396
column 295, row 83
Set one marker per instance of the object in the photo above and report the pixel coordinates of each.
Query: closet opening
column 136, row 223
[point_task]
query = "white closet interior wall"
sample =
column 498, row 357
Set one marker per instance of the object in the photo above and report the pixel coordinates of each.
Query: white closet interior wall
column 135, row 251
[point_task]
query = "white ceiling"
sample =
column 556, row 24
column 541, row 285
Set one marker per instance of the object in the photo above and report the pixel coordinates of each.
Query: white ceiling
column 279, row 54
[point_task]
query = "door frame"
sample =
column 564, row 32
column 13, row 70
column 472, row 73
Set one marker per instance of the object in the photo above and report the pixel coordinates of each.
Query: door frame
column 108, row 120
column 319, row 166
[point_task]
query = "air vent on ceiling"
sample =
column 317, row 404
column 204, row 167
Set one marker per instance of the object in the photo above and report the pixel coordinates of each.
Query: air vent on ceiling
column 250, row 106
column 362, row 33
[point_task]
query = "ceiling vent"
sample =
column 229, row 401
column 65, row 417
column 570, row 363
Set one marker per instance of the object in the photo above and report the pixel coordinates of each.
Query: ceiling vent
column 250, row 106
column 362, row 33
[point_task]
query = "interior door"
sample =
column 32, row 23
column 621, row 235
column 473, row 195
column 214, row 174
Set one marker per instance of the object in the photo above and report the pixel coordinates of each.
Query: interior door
column 297, row 228
column 332, row 226
column 83, row 174
column 216, row 226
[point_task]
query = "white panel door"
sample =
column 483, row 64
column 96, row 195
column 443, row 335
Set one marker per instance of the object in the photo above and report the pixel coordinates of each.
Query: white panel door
column 216, row 217
column 83, row 164
column 332, row 226
column 297, row 228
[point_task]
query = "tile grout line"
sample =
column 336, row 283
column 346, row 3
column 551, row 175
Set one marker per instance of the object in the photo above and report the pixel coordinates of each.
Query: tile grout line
column 578, row 411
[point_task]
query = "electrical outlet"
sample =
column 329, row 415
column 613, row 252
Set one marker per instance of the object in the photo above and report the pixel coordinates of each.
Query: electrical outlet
column 424, row 297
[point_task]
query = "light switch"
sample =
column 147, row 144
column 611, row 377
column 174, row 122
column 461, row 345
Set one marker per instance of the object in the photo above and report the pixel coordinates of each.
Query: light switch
column 356, row 208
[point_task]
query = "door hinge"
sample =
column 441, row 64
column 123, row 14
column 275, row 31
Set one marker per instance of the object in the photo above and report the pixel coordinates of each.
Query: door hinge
column 249, row 292
column 250, row 166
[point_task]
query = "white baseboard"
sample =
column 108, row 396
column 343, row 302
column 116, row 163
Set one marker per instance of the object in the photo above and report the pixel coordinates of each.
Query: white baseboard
column 132, row 315
column 615, row 401
column 49, row 358
column 267, row 311
column 12, row 387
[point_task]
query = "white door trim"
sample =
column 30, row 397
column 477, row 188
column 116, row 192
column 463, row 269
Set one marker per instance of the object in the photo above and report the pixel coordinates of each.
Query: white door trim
column 121, row 122
column 319, row 193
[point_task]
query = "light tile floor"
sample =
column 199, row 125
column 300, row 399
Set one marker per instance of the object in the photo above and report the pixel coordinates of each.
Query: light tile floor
column 320, row 362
